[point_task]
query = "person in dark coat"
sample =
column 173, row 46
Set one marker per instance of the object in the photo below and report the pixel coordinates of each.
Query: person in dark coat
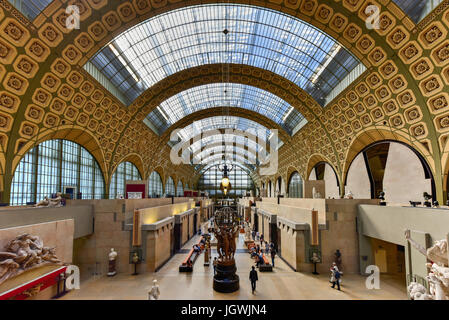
column 253, row 278
column 273, row 255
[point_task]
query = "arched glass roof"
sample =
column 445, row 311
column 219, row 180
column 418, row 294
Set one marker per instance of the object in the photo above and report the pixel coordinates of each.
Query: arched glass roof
column 224, row 122
column 229, row 157
column 217, row 162
column 229, row 150
column 224, row 95
column 192, row 36
column 225, row 138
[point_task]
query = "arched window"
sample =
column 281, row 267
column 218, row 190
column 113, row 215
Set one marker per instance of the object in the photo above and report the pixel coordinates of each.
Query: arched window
column 155, row 189
column 170, row 187
column 295, row 186
column 269, row 189
column 240, row 180
column 125, row 171
column 390, row 167
column 324, row 171
column 52, row 166
column 180, row 189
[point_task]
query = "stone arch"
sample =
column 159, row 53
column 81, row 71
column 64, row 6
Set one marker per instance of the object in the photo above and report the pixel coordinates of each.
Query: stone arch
column 74, row 134
column 136, row 160
column 233, row 111
column 319, row 13
column 316, row 158
column 371, row 136
column 368, row 137
column 68, row 132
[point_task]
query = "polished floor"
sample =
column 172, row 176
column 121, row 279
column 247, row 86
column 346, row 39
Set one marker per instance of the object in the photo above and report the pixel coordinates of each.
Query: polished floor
column 282, row 283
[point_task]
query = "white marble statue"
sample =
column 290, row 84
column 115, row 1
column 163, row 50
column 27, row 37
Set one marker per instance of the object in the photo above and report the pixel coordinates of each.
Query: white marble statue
column 418, row 292
column 112, row 263
column 46, row 202
column 438, row 276
column 154, row 292
column 247, row 232
column 56, row 202
column 315, row 258
column 43, row 203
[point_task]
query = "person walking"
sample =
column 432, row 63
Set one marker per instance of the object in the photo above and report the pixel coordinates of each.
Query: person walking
column 335, row 276
column 257, row 236
column 273, row 255
column 261, row 238
column 253, row 278
column 267, row 248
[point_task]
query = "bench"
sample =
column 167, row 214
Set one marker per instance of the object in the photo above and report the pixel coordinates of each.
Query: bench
column 185, row 267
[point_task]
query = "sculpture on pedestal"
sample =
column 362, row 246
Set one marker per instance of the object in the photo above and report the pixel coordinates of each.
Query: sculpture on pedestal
column 135, row 261
column 226, row 229
column 315, row 259
column 112, row 266
column 24, row 253
column 438, row 276
column 154, row 292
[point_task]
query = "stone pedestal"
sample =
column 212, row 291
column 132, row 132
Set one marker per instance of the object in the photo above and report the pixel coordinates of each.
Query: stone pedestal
column 226, row 281
column 112, row 272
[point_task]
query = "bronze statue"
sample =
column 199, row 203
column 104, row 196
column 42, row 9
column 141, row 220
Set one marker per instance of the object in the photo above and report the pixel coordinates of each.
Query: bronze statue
column 226, row 222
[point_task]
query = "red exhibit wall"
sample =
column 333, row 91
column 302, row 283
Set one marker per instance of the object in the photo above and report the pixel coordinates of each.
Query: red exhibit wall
column 190, row 193
column 135, row 188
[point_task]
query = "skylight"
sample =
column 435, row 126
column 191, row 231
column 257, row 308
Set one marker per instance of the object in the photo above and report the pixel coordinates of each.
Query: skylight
column 30, row 8
column 417, row 9
column 213, row 95
column 193, row 36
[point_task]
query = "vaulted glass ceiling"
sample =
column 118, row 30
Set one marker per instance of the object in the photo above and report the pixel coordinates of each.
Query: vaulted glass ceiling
column 224, row 141
column 236, row 153
column 228, row 139
column 223, row 95
column 234, row 163
column 229, row 157
column 193, row 36
column 224, row 122
column 228, row 150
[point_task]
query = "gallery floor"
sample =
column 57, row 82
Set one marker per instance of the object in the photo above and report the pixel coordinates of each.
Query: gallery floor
column 282, row 283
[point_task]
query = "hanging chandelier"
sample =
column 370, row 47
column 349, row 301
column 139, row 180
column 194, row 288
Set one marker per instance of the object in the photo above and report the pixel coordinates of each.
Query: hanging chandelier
column 225, row 184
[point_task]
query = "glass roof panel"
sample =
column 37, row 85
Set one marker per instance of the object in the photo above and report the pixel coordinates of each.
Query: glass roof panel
column 217, row 162
column 232, row 145
column 224, row 95
column 230, row 157
column 193, row 36
column 30, row 8
column 228, row 150
column 225, row 122
column 417, row 9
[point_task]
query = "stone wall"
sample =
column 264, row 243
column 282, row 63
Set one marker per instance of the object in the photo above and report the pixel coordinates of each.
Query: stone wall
column 337, row 230
column 159, row 245
column 111, row 216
